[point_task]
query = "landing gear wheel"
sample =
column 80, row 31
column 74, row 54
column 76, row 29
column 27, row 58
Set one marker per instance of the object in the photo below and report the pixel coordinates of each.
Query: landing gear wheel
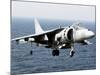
column 72, row 53
column 55, row 52
column 31, row 52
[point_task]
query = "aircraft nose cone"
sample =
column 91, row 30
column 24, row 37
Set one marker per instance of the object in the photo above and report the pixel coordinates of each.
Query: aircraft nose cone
column 91, row 34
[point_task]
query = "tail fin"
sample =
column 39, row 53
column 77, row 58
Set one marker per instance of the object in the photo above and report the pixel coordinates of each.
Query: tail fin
column 38, row 28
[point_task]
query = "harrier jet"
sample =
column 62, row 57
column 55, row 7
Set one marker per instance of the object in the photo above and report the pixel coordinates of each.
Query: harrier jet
column 59, row 38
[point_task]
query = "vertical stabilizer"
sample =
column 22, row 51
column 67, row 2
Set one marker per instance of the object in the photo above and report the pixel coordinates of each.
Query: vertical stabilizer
column 38, row 28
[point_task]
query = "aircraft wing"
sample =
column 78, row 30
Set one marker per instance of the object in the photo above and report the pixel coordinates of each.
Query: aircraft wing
column 49, row 32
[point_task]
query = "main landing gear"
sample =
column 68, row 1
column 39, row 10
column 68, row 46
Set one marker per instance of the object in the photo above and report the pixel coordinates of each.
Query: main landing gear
column 55, row 52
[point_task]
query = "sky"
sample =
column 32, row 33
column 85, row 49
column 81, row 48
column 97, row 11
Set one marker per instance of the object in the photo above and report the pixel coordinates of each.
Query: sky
column 53, row 11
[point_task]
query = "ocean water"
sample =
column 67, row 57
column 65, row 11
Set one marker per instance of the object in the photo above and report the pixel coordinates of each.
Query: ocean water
column 42, row 60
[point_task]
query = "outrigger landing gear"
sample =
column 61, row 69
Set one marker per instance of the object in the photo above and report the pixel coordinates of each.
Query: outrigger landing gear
column 55, row 52
column 31, row 52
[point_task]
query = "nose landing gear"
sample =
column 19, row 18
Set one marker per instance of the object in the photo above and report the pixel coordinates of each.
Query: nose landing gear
column 72, row 53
